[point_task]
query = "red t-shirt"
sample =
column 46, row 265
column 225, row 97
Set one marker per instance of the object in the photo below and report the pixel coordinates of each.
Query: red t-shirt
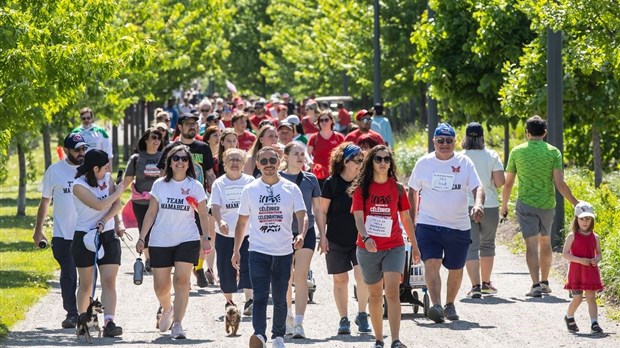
column 322, row 149
column 227, row 123
column 246, row 140
column 255, row 120
column 308, row 126
column 343, row 117
column 356, row 134
column 382, row 201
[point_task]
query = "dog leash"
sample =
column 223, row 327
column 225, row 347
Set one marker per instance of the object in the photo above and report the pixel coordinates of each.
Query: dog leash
column 92, row 294
column 130, row 238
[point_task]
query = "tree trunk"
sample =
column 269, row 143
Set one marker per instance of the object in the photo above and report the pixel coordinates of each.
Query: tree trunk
column 21, row 192
column 506, row 142
column 596, row 151
column 47, row 153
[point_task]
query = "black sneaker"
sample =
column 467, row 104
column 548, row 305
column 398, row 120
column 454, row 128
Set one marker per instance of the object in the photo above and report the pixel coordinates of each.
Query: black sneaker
column 378, row 344
column 248, row 307
column 475, row 292
column 70, row 321
column 398, row 344
column 596, row 328
column 111, row 330
column 201, row 279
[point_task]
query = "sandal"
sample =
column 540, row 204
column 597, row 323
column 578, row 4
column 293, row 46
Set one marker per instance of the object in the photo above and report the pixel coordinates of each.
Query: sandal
column 571, row 325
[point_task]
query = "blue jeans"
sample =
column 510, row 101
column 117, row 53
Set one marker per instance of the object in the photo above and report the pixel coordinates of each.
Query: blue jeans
column 265, row 270
column 68, row 273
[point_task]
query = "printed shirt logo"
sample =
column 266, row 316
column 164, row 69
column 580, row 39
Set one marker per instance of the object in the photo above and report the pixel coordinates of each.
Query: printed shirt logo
column 456, row 169
column 381, row 205
column 103, row 186
column 184, row 192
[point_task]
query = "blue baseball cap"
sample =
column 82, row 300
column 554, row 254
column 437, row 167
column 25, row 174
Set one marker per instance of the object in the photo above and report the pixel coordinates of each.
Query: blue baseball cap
column 445, row 130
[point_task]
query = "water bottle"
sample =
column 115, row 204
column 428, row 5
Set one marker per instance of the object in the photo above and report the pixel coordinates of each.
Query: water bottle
column 43, row 244
column 138, row 271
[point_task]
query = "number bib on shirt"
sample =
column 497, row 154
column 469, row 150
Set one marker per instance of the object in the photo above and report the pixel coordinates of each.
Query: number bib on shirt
column 442, row 181
column 378, row 226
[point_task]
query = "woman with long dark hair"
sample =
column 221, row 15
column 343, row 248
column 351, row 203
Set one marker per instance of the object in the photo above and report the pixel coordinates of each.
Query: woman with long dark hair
column 97, row 202
column 175, row 241
column 141, row 173
column 339, row 245
column 379, row 200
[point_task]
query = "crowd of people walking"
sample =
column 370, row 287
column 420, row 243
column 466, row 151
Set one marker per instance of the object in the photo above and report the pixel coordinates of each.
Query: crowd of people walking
column 241, row 192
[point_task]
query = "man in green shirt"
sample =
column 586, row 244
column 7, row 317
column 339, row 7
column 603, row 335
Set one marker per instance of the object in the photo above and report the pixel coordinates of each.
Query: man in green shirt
column 538, row 166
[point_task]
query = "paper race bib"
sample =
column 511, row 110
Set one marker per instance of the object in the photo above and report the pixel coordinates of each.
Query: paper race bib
column 442, row 181
column 233, row 193
column 378, row 226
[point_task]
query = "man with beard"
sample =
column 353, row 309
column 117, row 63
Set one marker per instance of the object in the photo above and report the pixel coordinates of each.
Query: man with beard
column 268, row 205
column 203, row 164
column 57, row 184
column 364, row 121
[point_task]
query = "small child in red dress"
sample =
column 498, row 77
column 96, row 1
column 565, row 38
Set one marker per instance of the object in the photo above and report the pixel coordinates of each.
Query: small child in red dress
column 583, row 249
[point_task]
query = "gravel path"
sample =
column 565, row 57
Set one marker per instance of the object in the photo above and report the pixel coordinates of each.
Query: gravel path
column 508, row 320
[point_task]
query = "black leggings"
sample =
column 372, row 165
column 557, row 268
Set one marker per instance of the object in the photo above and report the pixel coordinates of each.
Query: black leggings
column 139, row 211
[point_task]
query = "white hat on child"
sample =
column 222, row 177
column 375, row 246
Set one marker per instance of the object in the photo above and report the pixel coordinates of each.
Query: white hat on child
column 583, row 209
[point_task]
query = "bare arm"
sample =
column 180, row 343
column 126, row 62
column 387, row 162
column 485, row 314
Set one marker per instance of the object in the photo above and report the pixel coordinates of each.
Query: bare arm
column 217, row 215
column 323, row 246
column 509, row 182
column 203, row 214
column 90, row 200
column 361, row 229
column 562, row 187
column 569, row 256
column 413, row 202
column 319, row 215
column 127, row 182
column 147, row 223
column 242, row 224
column 498, row 178
column 210, row 178
column 405, row 217
column 41, row 214
column 310, row 149
column 248, row 168
column 599, row 256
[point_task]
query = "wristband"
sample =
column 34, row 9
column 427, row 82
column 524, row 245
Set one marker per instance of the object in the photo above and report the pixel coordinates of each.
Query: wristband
column 364, row 239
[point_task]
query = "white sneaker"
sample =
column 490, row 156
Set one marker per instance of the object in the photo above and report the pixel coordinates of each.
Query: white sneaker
column 177, row 331
column 298, row 331
column 278, row 342
column 289, row 325
column 165, row 321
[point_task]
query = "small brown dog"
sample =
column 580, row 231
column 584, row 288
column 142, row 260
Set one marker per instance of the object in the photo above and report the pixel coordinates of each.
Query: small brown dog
column 232, row 319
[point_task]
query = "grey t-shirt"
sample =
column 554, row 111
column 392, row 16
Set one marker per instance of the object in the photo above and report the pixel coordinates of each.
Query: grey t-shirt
column 143, row 167
column 309, row 189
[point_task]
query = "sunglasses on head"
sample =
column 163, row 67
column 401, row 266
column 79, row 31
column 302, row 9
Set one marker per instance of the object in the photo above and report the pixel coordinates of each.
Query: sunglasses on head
column 379, row 159
column 444, row 140
column 155, row 136
column 322, row 120
column 177, row 158
column 271, row 160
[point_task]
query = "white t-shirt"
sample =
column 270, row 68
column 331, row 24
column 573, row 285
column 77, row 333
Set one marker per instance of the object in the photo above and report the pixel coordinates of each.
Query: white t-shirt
column 87, row 217
column 443, row 187
column 227, row 194
column 175, row 222
column 57, row 184
column 486, row 162
column 271, row 210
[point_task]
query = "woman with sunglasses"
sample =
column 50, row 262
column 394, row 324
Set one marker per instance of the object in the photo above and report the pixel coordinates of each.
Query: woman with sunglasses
column 224, row 203
column 97, row 202
column 293, row 162
column 379, row 200
column 321, row 144
column 141, row 173
column 309, row 121
column 266, row 136
column 339, row 245
column 175, row 241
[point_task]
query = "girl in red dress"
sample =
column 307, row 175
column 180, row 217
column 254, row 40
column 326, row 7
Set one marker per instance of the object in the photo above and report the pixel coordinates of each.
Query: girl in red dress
column 583, row 249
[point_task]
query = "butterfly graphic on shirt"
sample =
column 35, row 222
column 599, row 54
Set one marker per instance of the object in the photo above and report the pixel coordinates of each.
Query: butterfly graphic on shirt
column 103, row 186
column 184, row 192
column 456, row 169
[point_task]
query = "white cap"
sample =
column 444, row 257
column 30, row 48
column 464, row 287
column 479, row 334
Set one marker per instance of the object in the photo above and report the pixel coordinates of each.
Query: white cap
column 292, row 119
column 583, row 209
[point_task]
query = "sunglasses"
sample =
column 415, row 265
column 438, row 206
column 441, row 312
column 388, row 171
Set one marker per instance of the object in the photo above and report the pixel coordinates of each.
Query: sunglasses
column 271, row 160
column 81, row 148
column 386, row 159
column 323, row 120
column 86, row 118
column 155, row 137
column 177, row 158
column 444, row 140
column 366, row 120
column 205, row 110
column 357, row 161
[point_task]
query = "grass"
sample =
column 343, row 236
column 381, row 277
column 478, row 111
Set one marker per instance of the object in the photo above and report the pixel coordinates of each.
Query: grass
column 24, row 271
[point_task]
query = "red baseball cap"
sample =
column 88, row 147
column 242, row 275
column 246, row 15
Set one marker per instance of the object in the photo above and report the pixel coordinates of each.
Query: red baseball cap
column 362, row 113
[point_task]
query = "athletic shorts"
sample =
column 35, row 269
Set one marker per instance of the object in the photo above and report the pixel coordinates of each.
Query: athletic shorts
column 483, row 235
column 340, row 258
column 85, row 258
column 162, row 257
column 373, row 265
column 449, row 245
column 534, row 221
column 309, row 239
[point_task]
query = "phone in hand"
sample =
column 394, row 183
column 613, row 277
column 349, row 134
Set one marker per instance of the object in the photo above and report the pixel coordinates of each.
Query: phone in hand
column 119, row 176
